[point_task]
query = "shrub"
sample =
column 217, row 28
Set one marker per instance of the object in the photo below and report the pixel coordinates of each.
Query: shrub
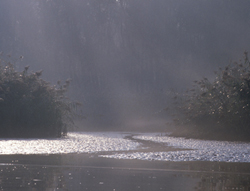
column 219, row 106
column 31, row 107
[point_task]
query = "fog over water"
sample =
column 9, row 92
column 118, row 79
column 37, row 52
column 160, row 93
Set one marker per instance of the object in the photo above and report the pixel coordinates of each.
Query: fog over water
column 124, row 56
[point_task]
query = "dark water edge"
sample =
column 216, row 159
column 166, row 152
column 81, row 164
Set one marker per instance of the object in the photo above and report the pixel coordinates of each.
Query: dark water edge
column 211, row 134
column 90, row 172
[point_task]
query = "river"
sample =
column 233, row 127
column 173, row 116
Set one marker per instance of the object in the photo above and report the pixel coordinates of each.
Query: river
column 123, row 161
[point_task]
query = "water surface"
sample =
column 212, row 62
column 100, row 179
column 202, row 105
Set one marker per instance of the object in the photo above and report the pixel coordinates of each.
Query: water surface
column 85, row 161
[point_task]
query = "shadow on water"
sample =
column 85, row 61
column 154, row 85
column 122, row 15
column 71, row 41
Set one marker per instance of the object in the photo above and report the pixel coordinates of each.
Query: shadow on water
column 89, row 172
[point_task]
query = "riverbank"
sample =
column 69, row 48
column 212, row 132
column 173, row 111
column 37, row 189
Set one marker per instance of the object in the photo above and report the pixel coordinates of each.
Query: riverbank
column 210, row 134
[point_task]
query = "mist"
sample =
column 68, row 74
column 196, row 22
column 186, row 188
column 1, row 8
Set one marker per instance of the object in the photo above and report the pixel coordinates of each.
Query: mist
column 124, row 56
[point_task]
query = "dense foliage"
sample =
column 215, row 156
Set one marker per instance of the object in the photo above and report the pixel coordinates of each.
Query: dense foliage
column 218, row 107
column 30, row 106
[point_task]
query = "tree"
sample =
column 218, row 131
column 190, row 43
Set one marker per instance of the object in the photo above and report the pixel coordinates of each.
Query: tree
column 219, row 107
column 31, row 107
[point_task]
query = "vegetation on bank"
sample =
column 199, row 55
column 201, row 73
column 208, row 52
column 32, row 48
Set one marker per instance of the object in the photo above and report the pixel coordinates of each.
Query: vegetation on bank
column 218, row 109
column 31, row 107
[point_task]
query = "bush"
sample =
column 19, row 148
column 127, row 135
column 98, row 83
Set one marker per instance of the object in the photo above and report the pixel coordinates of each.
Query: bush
column 221, row 106
column 31, row 107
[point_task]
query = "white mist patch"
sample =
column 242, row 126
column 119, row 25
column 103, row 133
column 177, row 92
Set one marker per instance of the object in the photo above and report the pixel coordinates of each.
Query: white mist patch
column 76, row 142
column 201, row 150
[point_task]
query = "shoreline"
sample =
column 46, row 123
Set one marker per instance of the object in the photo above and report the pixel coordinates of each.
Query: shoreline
column 211, row 136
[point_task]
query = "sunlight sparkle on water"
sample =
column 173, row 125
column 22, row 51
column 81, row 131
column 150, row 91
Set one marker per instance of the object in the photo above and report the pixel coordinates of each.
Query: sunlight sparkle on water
column 200, row 150
column 81, row 142
column 74, row 143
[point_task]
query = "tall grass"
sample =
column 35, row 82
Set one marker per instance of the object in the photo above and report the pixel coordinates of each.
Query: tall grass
column 220, row 106
column 30, row 106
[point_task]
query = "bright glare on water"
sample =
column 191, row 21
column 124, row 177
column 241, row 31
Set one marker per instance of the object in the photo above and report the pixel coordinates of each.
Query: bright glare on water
column 73, row 143
column 193, row 150
column 94, row 142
